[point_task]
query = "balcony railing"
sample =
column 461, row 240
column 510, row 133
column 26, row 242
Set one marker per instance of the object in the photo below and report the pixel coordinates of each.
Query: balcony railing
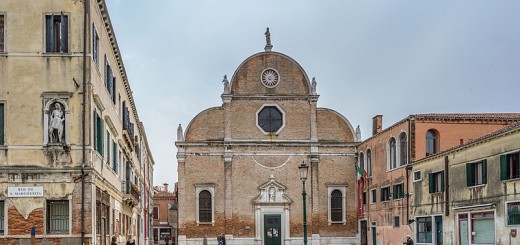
column 131, row 193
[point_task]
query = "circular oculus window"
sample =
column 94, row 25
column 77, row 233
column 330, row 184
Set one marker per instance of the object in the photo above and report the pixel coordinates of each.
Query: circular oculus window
column 270, row 78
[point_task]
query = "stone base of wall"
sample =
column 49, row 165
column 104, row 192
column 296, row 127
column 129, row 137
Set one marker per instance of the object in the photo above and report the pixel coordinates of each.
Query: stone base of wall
column 314, row 240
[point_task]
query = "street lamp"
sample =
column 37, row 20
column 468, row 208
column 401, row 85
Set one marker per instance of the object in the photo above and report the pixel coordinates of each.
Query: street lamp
column 304, row 169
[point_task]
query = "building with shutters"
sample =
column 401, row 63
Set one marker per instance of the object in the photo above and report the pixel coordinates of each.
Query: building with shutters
column 74, row 159
column 238, row 163
column 386, row 194
column 165, row 215
column 467, row 194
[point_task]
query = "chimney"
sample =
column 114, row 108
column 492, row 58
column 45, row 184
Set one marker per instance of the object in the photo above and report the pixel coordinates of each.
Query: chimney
column 377, row 124
column 165, row 187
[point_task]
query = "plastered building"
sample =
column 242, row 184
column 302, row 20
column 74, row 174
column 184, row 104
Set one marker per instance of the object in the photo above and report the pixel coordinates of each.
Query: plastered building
column 238, row 163
column 75, row 165
column 467, row 194
column 385, row 210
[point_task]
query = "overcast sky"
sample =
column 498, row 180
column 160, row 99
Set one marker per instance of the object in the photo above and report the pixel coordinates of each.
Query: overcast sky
column 369, row 57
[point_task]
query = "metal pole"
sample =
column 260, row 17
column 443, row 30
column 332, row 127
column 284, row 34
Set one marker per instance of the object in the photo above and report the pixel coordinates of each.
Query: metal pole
column 304, row 194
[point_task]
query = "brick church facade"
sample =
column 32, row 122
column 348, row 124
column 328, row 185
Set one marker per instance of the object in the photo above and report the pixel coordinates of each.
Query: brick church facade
column 238, row 163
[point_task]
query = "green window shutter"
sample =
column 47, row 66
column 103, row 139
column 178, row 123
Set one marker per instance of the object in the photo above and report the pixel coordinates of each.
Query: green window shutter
column 484, row 171
column 101, row 134
column 114, row 148
column 2, row 124
column 470, row 169
column 442, row 180
column 503, row 167
column 382, row 195
column 64, row 41
column 395, row 195
column 431, row 182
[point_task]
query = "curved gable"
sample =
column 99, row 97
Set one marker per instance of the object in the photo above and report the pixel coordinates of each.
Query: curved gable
column 207, row 125
column 332, row 126
column 292, row 78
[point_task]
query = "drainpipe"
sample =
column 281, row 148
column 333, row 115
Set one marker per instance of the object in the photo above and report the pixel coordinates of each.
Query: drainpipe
column 83, row 122
column 447, row 185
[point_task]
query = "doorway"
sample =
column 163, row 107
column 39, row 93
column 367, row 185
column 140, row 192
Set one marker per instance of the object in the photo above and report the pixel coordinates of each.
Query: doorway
column 364, row 231
column 272, row 229
column 438, row 228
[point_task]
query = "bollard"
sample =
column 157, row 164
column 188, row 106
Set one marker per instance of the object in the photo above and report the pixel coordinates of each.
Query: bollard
column 33, row 234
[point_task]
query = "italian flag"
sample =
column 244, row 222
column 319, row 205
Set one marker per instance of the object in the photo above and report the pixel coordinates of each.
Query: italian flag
column 360, row 190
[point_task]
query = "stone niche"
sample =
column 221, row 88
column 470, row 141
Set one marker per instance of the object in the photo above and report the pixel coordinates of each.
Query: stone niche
column 56, row 128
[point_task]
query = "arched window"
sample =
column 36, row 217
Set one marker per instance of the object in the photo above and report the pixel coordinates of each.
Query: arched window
column 336, row 206
column 432, row 141
column 205, row 206
column 369, row 162
column 362, row 161
column 392, row 153
column 403, row 149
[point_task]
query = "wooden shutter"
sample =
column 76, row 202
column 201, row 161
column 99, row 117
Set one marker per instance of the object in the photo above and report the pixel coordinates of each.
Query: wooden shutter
column 1, row 33
column 504, row 170
column 395, row 193
column 49, row 33
column 114, row 153
column 442, row 180
column 484, row 171
column 470, row 170
column 64, row 26
column 2, row 124
column 431, row 183
column 114, row 90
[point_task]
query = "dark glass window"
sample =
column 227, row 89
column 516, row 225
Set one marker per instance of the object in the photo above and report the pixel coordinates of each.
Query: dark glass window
column 2, row 218
column 156, row 212
column 431, row 142
column 513, row 213
column 95, row 45
column 204, row 206
column 392, row 153
column 2, row 33
column 56, row 33
column 336, row 206
column 270, row 119
column 362, row 161
column 369, row 162
column 424, row 230
column 2, row 124
column 403, row 149
column 510, row 166
column 397, row 221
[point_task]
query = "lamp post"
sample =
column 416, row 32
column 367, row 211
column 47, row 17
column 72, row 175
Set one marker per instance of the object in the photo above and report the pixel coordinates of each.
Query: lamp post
column 304, row 169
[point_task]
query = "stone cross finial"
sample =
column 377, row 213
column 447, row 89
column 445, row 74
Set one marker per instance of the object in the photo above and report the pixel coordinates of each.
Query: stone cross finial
column 226, row 85
column 268, row 47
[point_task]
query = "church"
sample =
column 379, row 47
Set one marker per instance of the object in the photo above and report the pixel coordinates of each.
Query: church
column 240, row 164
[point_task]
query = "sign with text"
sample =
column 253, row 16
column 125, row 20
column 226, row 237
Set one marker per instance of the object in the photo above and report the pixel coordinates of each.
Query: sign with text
column 25, row 191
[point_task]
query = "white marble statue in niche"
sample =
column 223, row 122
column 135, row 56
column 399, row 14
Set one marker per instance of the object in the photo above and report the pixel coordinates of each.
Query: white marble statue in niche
column 56, row 121
column 272, row 194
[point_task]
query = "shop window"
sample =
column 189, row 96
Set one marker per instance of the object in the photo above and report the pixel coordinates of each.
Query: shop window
column 513, row 213
column 424, row 229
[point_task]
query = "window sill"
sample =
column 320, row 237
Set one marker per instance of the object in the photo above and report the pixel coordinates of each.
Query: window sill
column 476, row 186
column 337, row 222
column 205, row 223
column 512, row 179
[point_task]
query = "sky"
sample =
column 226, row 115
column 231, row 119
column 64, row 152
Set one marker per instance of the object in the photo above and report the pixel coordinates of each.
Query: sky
column 389, row 57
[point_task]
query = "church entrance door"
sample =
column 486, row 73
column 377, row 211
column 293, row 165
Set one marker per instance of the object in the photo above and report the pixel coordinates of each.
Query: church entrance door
column 272, row 230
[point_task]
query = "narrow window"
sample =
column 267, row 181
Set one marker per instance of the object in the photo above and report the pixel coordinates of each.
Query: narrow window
column 58, row 216
column 362, row 161
column 2, row 218
column 156, row 212
column 513, row 213
column 417, row 176
column 392, row 153
column 431, row 142
column 95, row 45
column 205, row 206
column 56, row 33
column 373, row 197
column 114, row 159
column 108, row 148
column 2, row 28
column 336, row 205
column 369, row 162
column 403, row 149
column 476, row 173
column 364, row 197
column 98, row 133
